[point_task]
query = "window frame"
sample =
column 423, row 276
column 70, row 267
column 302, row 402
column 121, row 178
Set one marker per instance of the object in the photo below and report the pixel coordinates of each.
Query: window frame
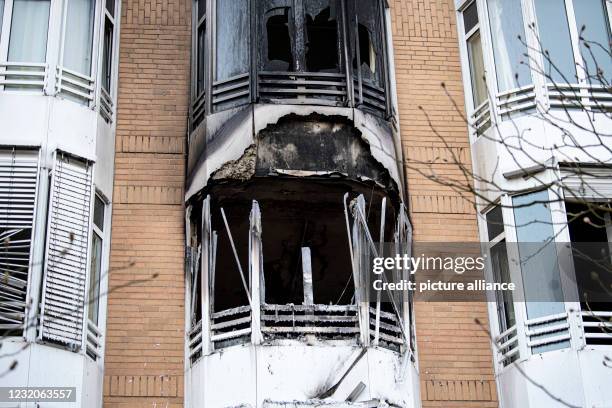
column 465, row 39
column 94, row 39
column 105, row 15
column 101, row 235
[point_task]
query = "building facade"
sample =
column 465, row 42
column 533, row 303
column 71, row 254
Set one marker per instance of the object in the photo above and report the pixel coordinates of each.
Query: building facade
column 58, row 80
column 538, row 100
column 250, row 156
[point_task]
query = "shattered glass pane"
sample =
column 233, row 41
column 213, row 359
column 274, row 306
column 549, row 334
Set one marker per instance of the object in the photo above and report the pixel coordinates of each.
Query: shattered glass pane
column 279, row 49
column 322, row 45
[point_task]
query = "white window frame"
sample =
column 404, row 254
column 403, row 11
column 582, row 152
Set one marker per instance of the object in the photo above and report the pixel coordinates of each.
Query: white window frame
column 102, row 300
column 483, row 28
column 88, row 80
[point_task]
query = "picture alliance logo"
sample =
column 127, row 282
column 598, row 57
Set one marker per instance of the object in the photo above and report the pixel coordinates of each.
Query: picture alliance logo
column 456, row 264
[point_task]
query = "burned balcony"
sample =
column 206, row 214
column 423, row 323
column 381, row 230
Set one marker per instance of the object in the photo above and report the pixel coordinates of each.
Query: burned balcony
column 279, row 242
column 280, row 267
column 292, row 52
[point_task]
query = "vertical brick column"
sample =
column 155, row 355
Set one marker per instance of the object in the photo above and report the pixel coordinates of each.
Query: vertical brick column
column 454, row 352
column 145, row 330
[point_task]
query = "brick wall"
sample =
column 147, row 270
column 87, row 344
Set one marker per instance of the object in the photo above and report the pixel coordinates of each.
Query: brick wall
column 454, row 352
column 145, row 331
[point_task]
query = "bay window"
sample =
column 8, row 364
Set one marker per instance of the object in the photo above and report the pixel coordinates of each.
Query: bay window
column 78, row 36
column 29, row 30
column 509, row 48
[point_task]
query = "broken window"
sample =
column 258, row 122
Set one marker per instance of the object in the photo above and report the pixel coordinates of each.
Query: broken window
column 322, row 40
column 18, row 178
column 304, row 38
column 367, row 52
column 279, row 56
column 589, row 225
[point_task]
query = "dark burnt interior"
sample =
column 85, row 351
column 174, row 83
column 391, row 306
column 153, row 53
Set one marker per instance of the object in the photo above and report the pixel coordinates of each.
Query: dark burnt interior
column 295, row 213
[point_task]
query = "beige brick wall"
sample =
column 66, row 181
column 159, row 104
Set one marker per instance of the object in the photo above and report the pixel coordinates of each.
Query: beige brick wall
column 145, row 331
column 454, row 352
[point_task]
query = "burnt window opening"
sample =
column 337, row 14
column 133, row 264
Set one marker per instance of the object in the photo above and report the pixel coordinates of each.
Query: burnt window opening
column 592, row 260
column 228, row 289
column 279, row 41
column 194, row 263
column 322, row 43
column 200, row 53
column 367, row 53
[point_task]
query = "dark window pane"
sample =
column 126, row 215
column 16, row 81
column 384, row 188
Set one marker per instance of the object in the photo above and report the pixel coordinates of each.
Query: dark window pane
column 591, row 255
column 279, row 56
column 232, row 38
column 107, row 56
column 201, row 8
column 201, row 59
column 98, row 218
column 495, row 222
column 322, row 37
column 470, row 17
column 555, row 41
column 110, row 6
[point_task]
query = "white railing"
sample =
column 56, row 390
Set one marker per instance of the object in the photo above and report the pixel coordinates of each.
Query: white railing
column 23, row 75
column 516, row 100
column 507, row 346
column 389, row 330
column 194, row 340
column 547, row 330
column 74, row 84
column 107, row 107
column 574, row 96
column 293, row 321
column 231, row 326
column 597, row 327
column 480, row 119
column 93, row 346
